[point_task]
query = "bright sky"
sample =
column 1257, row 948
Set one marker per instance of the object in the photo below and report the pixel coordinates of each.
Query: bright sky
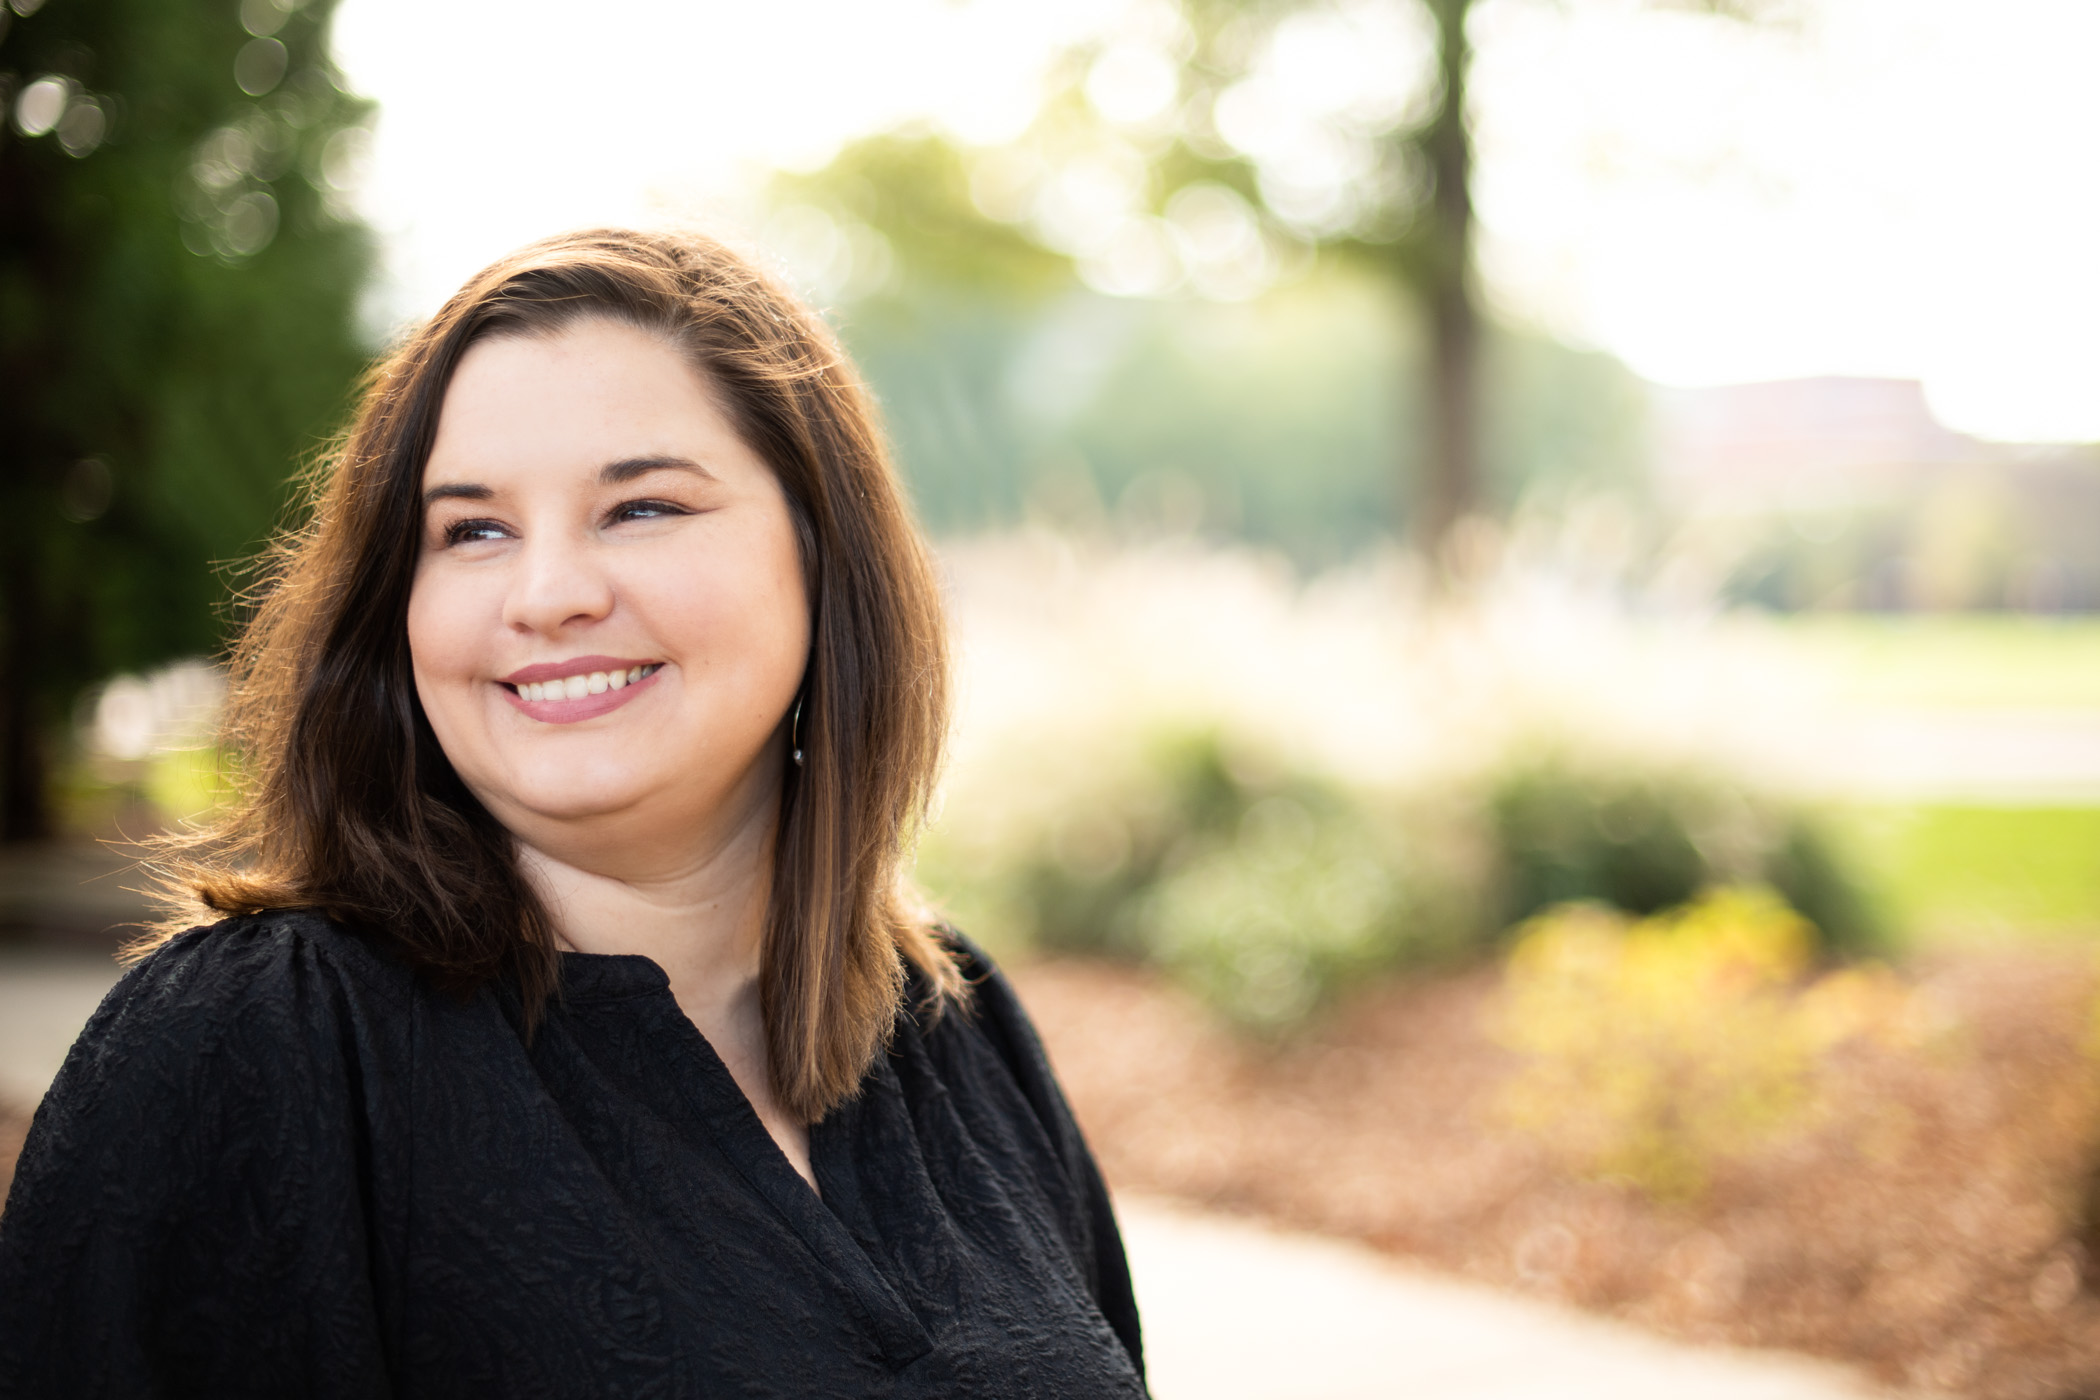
column 1897, row 187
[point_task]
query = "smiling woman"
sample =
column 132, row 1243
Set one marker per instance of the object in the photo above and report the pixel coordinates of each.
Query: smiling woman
column 573, row 1032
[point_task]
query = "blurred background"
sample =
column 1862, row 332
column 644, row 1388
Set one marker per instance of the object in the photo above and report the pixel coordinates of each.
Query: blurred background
column 1524, row 569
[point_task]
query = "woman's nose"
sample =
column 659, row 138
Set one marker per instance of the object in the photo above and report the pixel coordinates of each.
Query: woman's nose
column 558, row 584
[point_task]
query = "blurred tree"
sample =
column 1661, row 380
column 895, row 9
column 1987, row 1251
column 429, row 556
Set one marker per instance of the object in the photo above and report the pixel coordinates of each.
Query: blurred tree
column 915, row 189
column 1441, row 269
column 1289, row 419
column 1410, row 213
column 1211, row 146
column 178, row 288
column 942, row 298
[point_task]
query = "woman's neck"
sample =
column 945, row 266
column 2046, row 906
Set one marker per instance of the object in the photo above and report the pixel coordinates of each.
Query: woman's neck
column 700, row 916
column 682, row 882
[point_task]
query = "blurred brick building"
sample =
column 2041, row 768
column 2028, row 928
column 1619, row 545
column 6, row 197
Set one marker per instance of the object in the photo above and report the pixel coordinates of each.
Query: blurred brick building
column 1866, row 500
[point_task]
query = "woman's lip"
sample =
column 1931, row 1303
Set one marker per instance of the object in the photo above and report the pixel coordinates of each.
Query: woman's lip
column 566, row 711
column 575, row 666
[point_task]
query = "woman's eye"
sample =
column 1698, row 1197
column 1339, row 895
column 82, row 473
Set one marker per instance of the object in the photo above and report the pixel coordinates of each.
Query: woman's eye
column 645, row 510
column 466, row 531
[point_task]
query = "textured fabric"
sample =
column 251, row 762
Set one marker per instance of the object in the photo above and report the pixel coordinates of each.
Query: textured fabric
column 277, row 1163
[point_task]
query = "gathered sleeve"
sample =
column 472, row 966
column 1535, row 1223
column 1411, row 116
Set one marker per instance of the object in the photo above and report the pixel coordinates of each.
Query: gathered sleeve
column 1095, row 1239
column 191, row 1212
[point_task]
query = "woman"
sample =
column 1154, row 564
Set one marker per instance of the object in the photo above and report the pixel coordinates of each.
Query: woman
column 569, row 1034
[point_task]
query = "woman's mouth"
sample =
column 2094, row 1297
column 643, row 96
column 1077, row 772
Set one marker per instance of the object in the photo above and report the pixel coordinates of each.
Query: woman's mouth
column 564, row 692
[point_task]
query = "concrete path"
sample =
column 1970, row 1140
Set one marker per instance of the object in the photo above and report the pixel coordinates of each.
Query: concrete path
column 46, row 996
column 1237, row 1311
column 1233, row 1310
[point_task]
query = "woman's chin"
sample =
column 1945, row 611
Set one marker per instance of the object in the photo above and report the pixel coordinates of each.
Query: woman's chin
column 571, row 804
column 617, row 804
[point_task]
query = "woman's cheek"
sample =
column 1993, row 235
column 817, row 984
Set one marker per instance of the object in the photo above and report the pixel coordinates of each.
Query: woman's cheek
column 449, row 642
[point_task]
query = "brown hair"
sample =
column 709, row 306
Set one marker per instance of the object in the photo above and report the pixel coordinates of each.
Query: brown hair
column 348, row 805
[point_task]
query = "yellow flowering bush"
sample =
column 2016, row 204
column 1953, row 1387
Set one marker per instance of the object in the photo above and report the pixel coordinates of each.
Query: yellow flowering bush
column 1654, row 1047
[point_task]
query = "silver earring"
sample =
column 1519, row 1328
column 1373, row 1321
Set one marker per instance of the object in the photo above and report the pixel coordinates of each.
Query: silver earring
column 795, row 733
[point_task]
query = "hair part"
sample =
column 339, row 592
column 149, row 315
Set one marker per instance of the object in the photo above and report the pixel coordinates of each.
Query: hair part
column 347, row 804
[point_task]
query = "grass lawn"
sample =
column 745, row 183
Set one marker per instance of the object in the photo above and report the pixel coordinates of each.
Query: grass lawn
column 1976, row 873
column 1968, row 870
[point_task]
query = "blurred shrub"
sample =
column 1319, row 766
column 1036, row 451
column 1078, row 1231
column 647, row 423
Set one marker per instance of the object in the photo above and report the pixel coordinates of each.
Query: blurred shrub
column 1262, row 887
column 1647, row 840
column 141, row 754
column 187, row 784
column 1267, row 888
column 1306, row 897
column 1655, row 1048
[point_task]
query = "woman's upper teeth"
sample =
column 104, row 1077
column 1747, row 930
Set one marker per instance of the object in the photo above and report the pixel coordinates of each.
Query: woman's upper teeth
column 577, row 686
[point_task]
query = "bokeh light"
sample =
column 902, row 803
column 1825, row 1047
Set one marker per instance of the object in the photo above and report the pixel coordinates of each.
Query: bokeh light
column 1712, row 201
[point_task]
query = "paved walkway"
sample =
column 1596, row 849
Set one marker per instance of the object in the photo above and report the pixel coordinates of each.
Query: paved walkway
column 46, row 996
column 1233, row 1311
column 1237, row 1311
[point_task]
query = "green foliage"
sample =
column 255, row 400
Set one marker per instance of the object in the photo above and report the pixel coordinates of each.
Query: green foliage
column 1293, row 421
column 177, row 302
column 1559, row 421
column 1283, row 419
column 1643, row 841
column 914, row 189
column 1569, row 835
column 1267, row 889
column 1262, row 888
column 184, row 785
column 1303, row 900
column 1272, row 422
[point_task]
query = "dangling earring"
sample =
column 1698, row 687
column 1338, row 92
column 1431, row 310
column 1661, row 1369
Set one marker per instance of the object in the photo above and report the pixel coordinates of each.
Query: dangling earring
column 795, row 733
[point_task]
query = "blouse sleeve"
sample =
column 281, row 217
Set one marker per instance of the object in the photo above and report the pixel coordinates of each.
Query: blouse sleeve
column 1098, row 1241
column 187, row 1215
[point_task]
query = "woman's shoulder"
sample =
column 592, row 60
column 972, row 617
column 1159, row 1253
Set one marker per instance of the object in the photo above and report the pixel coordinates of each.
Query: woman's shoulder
column 980, row 994
column 249, row 988
column 999, row 1075
column 988, row 1014
column 240, row 1038
column 202, row 1156
column 256, row 950
column 263, row 958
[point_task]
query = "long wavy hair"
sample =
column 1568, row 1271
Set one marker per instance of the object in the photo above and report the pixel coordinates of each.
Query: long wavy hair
column 347, row 805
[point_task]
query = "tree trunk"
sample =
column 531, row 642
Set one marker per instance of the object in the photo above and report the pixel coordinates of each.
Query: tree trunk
column 1451, row 487
column 28, row 241
column 25, row 806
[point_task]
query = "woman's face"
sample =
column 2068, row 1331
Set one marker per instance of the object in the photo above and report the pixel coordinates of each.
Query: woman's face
column 608, row 621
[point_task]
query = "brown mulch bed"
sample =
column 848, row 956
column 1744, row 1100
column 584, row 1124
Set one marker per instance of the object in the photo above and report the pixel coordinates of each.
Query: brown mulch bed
column 14, row 1126
column 1929, row 1228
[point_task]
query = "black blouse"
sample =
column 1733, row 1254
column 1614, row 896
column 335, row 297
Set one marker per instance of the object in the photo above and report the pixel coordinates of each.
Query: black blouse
column 278, row 1163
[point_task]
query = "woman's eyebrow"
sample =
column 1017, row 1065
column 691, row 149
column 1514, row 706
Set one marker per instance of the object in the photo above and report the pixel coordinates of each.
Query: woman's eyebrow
column 628, row 468
column 611, row 474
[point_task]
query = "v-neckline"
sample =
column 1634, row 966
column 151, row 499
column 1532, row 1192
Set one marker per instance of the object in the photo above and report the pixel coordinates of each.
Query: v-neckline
column 740, row 1135
column 620, row 976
